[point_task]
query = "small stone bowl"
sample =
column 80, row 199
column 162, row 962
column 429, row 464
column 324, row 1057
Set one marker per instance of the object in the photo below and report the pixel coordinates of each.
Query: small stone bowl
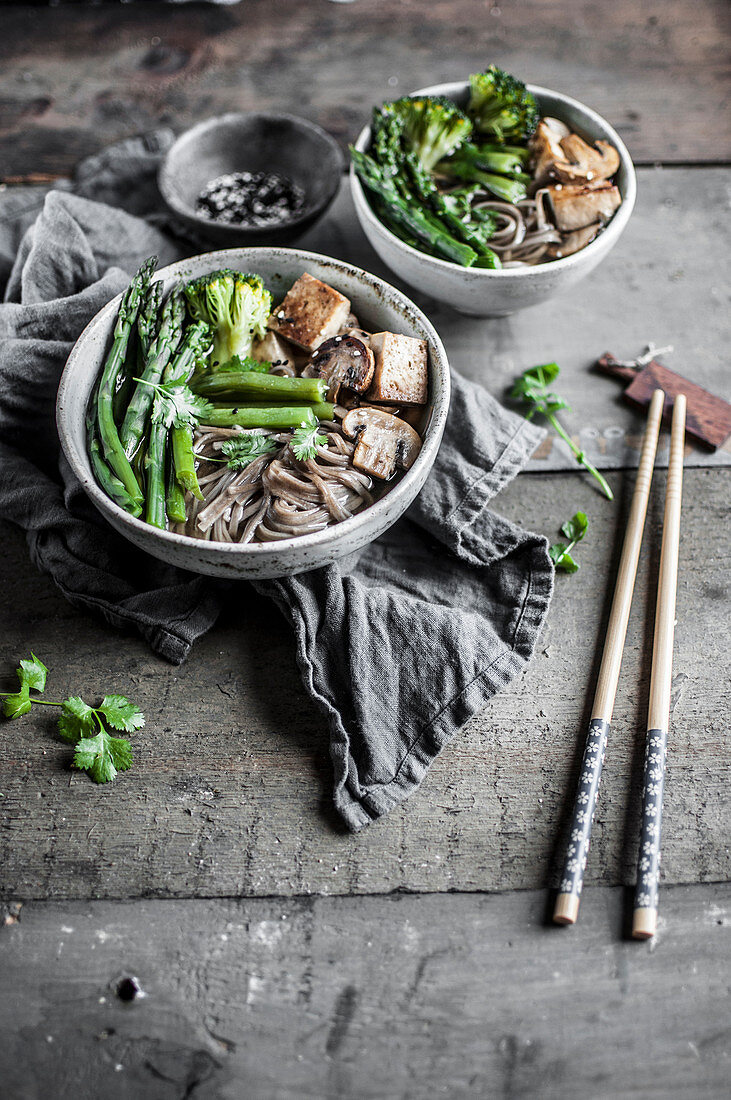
column 254, row 142
column 480, row 292
column 378, row 307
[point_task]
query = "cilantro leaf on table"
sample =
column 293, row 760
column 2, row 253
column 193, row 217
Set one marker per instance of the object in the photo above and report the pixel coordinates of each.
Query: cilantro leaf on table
column 531, row 389
column 306, row 439
column 103, row 756
column 121, row 714
column 17, row 704
column 33, row 672
column 96, row 750
column 76, row 719
column 560, row 553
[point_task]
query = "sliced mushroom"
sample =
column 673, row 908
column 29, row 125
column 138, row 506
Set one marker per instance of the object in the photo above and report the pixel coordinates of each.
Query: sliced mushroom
column 344, row 361
column 385, row 443
column 576, row 207
column 545, row 147
column 574, row 242
column 584, row 163
column 561, row 155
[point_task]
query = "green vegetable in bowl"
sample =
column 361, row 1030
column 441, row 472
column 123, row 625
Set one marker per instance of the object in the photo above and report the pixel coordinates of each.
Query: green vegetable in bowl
column 501, row 105
column 433, row 125
column 236, row 306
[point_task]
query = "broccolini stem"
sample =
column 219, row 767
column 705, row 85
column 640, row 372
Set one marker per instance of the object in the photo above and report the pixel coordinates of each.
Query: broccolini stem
column 183, row 458
column 280, row 418
column 114, row 452
column 160, row 352
column 250, row 384
column 580, row 456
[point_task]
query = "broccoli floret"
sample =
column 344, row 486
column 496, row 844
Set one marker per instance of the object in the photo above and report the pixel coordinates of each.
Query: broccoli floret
column 432, row 125
column 236, row 305
column 501, row 105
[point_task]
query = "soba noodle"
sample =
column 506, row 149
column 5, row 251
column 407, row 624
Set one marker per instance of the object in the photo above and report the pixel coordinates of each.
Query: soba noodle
column 524, row 234
column 276, row 496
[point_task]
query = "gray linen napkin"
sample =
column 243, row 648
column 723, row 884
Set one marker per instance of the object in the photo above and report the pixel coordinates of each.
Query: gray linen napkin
column 400, row 644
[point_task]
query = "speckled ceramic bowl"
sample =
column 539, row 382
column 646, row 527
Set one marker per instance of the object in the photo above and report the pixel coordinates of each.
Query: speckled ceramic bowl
column 254, row 141
column 484, row 293
column 378, row 306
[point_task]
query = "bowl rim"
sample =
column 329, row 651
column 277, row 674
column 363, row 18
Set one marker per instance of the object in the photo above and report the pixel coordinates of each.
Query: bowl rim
column 81, row 466
column 193, row 132
column 608, row 235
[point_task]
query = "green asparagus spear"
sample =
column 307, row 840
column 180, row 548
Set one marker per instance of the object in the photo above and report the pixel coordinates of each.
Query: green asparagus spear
column 148, row 319
column 158, row 357
column 253, row 386
column 109, row 482
column 280, row 418
column 407, row 215
column 114, row 452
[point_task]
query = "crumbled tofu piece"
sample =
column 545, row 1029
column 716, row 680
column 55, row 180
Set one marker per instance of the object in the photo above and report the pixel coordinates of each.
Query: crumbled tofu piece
column 400, row 376
column 310, row 313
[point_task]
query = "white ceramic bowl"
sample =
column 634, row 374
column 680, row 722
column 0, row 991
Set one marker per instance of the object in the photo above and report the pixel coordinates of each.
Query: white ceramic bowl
column 378, row 306
column 481, row 292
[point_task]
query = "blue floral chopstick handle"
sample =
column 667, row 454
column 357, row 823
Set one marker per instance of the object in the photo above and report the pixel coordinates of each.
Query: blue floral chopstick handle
column 572, row 876
column 648, row 860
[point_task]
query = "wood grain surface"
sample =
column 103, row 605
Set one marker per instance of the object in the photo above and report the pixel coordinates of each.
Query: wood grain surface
column 75, row 77
column 231, row 790
column 399, row 997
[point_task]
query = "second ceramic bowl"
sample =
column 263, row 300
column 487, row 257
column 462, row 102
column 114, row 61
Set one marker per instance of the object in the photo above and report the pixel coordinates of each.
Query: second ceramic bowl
column 484, row 293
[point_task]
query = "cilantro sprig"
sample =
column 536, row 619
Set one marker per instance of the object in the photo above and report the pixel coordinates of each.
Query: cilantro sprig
column 560, row 553
column 96, row 750
column 240, row 452
column 175, row 404
column 306, row 439
column 531, row 389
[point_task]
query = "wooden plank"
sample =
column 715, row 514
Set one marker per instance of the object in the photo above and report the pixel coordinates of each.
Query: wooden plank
column 231, row 791
column 654, row 286
column 74, row 78
column 399, row 997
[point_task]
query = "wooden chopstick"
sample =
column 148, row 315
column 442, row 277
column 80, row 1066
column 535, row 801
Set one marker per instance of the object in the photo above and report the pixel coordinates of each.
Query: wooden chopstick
column 566, row 909
column 644, row 917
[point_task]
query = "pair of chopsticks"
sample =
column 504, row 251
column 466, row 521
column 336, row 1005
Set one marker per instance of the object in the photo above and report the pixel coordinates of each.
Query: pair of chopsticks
column 644, row 918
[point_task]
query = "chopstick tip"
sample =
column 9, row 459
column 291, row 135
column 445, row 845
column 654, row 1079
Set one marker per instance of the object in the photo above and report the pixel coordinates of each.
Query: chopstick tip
column 566, row 909
column 644, row 924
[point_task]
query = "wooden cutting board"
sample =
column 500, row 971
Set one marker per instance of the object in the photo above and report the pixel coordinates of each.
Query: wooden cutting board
column 708, row 418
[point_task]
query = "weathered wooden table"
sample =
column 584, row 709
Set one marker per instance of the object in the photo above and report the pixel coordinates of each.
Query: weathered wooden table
column 279, row 956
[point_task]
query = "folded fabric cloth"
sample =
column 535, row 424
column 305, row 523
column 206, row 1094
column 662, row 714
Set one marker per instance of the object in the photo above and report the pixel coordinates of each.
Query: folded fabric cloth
column 399, row 645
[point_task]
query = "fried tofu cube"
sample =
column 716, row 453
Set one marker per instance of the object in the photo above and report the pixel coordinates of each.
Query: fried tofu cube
column 310, row 313
column 400, row 376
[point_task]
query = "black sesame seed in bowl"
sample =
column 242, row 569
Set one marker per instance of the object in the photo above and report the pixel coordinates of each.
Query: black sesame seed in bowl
column 251, row 199
column 264, row 178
